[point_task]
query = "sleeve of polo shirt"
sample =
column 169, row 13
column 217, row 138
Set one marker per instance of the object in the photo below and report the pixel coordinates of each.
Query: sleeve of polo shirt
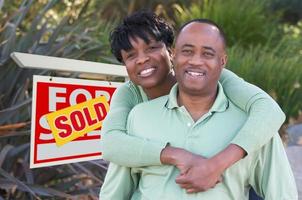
column 265, row 117
column 119, row 183
column 271, row 175
column 116, row 145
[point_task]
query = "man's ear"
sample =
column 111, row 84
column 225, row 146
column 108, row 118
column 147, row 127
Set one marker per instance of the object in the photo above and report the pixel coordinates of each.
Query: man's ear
column 224, row 60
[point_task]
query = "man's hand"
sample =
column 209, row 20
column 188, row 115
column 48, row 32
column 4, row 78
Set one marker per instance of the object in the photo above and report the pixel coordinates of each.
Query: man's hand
column 201, row 176
column 196, row 173
column 178, row 157
column 206, row 173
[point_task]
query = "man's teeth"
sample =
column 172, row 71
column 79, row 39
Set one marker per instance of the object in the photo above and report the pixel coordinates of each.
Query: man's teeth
column 196, row 73
column 147, row 71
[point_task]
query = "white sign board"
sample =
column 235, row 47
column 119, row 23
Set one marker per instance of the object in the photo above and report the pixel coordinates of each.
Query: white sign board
column 51, row 94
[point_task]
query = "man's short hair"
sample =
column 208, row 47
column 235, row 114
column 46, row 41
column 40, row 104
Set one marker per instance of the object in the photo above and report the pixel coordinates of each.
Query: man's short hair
column 142, row 24
column 206, row 21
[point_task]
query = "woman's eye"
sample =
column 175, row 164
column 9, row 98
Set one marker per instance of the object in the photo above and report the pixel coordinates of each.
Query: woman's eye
column 153, row 47
column 130, row 55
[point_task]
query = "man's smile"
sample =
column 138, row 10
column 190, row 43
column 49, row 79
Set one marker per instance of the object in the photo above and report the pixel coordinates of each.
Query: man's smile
column 195, row 73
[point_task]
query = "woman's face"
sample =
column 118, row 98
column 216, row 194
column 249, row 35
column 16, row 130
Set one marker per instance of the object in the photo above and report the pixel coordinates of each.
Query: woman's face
column 147, row 64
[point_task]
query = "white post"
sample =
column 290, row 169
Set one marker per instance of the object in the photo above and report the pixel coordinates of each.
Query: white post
column 27, row 60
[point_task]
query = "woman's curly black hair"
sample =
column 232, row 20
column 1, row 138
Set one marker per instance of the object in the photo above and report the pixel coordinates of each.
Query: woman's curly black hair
column 143, row 24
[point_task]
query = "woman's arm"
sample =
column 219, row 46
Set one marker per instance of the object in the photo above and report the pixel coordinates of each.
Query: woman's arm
column 264, row 120
column 265, row 117
column 119, row 183
column 119, row 147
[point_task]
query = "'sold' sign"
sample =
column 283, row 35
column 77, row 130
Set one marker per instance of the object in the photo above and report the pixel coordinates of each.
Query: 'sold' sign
column 75, row 121
column 78, row 108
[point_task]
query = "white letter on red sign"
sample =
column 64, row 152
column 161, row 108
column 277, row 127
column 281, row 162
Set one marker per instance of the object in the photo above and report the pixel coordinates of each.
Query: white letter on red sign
column 43, row 123
column 99, row 93
column 75, row 93
column 53, row 99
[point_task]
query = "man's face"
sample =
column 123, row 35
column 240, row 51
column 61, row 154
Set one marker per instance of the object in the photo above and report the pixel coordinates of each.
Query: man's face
column 147, row 64
column 199, row 58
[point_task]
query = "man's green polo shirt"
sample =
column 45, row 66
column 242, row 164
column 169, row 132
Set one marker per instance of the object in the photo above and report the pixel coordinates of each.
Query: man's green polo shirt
column 264, row 114
column 162, row 120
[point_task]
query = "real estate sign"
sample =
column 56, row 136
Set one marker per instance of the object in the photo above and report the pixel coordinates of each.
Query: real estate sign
column 67, row 115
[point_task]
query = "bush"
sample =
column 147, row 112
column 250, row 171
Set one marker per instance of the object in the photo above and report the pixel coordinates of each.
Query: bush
column 291, row 9
column 244, row 22
column 23, row 32
column 277, row 71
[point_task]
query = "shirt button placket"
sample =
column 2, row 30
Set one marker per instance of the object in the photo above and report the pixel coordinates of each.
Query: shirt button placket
column 189, row 135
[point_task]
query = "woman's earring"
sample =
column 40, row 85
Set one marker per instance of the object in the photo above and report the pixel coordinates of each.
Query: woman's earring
column 172, row 68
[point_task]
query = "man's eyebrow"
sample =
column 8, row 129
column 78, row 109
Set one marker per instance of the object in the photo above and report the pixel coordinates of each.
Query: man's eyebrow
column 187, row 45
column 205, row 47
column 209, row 48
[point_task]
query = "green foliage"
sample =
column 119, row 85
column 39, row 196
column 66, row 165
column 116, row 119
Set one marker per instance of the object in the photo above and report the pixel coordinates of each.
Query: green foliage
column 291, row 9
column 278, row 71
column 118, row 9
column 244, row 22
column 40, row 33
column 72, row 181
column 37, row 36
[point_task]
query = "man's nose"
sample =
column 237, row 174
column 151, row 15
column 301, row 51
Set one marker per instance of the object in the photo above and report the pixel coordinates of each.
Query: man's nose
column 196, row 60
column 142, row 58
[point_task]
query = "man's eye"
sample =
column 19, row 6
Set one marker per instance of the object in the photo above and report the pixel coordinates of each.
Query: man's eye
column 187, row 51
column 208, row 54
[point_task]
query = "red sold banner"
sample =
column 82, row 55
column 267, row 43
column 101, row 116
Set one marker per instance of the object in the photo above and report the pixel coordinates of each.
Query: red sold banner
column 80, row 101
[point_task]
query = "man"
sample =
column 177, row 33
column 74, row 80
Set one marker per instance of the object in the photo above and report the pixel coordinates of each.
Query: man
column 198, row 117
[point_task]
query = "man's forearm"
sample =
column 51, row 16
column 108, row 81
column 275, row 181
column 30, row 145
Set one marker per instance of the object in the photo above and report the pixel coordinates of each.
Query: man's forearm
column 169, row 155
column 226, row 158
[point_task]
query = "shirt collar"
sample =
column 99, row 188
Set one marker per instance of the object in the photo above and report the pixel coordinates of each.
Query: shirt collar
column 221, row 102
column 143, row 94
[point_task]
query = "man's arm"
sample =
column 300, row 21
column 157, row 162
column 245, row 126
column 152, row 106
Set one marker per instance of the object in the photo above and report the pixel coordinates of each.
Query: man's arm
column 116, row 145
column 271, row 175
